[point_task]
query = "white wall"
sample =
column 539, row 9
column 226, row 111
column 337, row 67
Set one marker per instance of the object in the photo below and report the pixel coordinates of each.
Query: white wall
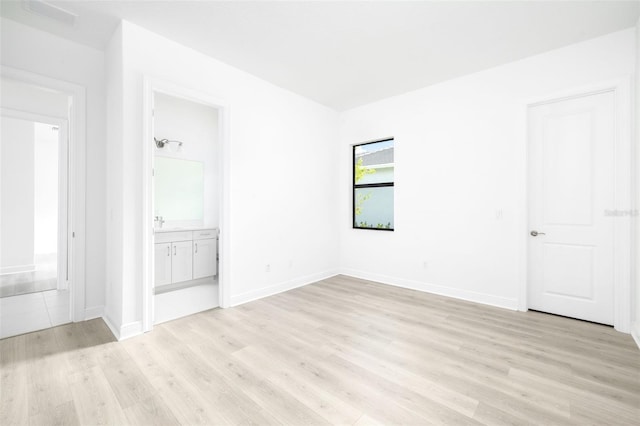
column 17, row 195
column 282, row 182
column 115, row 212
column 39, row 52
column 196, row 125
column 459, row 156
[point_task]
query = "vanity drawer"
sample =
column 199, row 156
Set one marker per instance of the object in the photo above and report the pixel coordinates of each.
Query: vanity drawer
column 167, row 237
column 205, row 233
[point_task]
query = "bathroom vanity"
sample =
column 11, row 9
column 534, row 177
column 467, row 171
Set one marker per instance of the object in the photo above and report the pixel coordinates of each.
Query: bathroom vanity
column 184, row 255
column 186, row 268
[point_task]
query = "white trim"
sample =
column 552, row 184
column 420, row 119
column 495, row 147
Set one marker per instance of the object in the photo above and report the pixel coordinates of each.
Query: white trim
column 623, row 174
column 151, row 85
column 8, row 270
column 635, row 332
column 95, row 312
column 114, row 330
column 252, row 295
column 127, row 331
column 456, row 293
column 130, row 330
column 77, row 176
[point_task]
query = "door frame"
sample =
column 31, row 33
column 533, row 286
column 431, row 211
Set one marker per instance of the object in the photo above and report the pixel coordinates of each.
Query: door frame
column 623, row 169
column 150, row 86
column 76, row 117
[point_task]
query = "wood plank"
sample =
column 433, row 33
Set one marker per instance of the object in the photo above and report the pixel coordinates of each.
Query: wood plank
column 340, row 351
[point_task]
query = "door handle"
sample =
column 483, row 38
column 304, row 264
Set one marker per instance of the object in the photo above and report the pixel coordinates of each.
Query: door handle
column 174, row 250
column 196, row 247
column 169, row 251
column 536, row 233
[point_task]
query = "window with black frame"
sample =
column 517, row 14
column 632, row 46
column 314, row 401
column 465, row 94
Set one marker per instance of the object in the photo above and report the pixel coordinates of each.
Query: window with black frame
column 373, row 185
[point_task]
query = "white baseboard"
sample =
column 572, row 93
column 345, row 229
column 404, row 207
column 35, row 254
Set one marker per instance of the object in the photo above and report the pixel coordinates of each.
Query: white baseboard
column 131, row 329
column 635, row 332
column 17, row 269
column 249, row 296
column 471, row 296
column 114, row 330
column 92, row 313
column 126, row 331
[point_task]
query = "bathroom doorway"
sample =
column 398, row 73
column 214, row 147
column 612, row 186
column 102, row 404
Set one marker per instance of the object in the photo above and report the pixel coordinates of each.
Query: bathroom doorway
column 185, row 173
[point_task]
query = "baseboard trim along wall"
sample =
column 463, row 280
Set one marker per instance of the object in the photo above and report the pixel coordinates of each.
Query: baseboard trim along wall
column 250, row 296
column 635, row 332
column 93, row 313
column 114, row 330
column 456, row 293
column 126, row 331
column 18, row 269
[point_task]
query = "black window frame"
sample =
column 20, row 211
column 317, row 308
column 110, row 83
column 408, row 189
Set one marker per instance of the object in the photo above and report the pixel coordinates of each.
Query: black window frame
column 367, row 185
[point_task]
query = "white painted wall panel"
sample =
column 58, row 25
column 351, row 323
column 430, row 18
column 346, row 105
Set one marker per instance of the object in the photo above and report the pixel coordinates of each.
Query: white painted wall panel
column 40, row 52
column 458, row 165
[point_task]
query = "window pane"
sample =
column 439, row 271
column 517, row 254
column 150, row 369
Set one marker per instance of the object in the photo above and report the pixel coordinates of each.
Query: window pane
column 374, row 163
column 374, row 207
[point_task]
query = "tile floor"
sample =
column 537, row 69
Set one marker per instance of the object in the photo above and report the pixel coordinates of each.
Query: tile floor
column 34, row 311
column 43, row 278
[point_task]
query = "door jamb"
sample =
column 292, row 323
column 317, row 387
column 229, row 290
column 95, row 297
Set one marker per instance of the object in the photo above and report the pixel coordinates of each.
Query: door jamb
column 623, row 168
column 76, row 178
column 151, row 85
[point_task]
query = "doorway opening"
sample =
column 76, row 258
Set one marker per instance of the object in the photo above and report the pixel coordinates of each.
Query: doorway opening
column 33, row 255
column 42, row 202
column 184, row 169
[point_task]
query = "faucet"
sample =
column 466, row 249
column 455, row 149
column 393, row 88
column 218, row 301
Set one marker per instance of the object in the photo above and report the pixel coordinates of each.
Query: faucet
column 160, row 220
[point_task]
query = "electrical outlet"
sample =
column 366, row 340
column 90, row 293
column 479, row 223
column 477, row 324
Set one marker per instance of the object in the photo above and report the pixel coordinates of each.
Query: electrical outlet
column 267, row 267
column 425, row 264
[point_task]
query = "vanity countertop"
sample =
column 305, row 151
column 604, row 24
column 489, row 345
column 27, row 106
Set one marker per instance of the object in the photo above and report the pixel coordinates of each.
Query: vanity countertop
column 192, row 228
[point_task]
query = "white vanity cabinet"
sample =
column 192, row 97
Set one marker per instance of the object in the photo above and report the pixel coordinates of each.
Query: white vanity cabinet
column 162, row 264
column 204, row 254
column 181, row 261
column 185, row 256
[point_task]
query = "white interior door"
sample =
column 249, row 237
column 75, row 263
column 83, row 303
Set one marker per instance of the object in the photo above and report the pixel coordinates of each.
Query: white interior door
column 571, row 184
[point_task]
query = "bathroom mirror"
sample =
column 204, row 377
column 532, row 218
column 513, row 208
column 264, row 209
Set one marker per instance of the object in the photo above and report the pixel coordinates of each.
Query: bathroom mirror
column 179, row 190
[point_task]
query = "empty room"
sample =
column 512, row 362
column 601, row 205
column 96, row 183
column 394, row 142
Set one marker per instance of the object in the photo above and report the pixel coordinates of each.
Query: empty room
column 319, row 212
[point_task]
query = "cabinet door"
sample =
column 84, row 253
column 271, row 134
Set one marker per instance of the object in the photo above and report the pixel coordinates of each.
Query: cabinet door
column 162, row 265
column 204, row 258
column 182, row 261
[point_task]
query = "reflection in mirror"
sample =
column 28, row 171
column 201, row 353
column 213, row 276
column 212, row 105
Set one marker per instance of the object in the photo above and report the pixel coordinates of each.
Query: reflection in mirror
column 179, row 191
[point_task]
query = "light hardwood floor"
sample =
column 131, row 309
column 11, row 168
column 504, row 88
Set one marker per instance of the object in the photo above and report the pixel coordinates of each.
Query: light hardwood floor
column 341, row 351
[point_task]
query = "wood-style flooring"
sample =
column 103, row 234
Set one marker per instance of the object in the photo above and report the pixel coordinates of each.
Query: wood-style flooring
column 340, row 351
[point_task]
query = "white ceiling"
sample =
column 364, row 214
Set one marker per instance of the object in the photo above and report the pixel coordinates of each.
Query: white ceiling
column 348, row 53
